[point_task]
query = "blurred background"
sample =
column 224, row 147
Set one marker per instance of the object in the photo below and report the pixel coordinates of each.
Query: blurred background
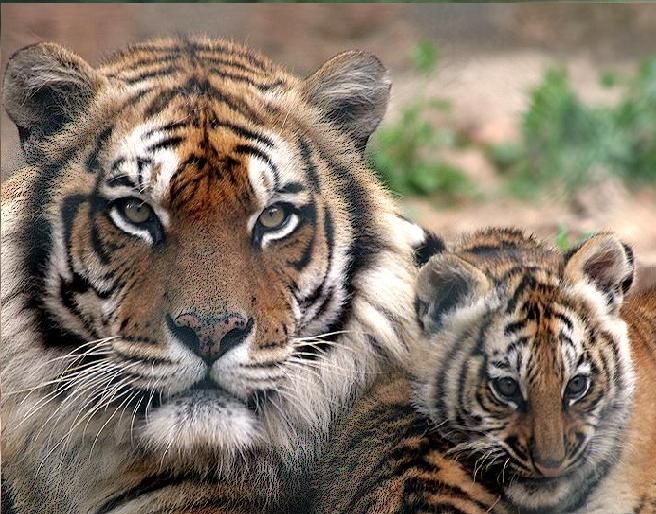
column 536, row 115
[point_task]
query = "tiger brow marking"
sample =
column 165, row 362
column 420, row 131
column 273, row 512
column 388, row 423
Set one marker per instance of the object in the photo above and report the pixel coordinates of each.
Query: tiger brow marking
column 246, row 149
column 165, row 128
column 291, row 188
column 215, row 123
column 170, row 142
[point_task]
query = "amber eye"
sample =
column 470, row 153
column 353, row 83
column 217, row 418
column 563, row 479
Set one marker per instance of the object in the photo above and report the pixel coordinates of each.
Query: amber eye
column 273, row 217
column 507, row 387
column 576, row 387
column 136, row 211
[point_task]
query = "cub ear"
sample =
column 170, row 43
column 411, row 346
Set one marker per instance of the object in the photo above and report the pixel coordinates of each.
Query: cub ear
column 46, row 87
column 446, row 282
column 606, row 263
column 352, row 89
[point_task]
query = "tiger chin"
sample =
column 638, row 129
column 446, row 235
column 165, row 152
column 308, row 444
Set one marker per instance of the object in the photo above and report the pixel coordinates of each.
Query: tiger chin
column 198, row 271
column 530, row 390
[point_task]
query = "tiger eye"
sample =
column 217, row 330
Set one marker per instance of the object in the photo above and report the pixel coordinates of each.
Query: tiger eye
column 507, row 387
column 272, row 217
column 137, row 212
column 576, row 386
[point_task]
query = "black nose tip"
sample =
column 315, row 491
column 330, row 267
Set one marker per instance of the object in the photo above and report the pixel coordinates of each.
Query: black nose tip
column 209, row 337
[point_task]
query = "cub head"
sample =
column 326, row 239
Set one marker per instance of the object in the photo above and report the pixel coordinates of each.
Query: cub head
column 525, row 365
column 196, row 244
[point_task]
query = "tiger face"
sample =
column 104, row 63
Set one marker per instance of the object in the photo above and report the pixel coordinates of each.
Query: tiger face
column 526, row 367
column 195, row 238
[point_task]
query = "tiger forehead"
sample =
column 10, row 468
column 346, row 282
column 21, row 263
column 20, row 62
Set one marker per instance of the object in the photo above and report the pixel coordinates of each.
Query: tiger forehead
column 194, row 167
column 218, row 59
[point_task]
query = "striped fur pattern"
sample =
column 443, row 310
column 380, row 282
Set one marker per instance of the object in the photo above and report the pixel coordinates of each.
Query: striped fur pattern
column 198, row 271
column 503, row 423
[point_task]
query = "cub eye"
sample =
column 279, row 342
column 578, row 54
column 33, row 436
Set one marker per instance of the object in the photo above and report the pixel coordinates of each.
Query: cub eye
column 576, row 387
column 273, row 217
column 135, row 211
column 506, row 387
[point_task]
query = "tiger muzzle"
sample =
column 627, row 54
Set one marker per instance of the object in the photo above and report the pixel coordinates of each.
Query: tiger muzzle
column 210, row 336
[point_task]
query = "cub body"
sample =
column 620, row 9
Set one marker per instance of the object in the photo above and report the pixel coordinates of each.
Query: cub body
column 532, row 389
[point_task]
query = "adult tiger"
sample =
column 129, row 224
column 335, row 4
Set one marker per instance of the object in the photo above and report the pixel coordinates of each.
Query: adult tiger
column 531, row 396
column 198, row 271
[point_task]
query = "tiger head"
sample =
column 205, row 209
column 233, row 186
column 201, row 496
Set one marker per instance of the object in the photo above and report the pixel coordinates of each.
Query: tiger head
column 526, row 366
column 199, row 256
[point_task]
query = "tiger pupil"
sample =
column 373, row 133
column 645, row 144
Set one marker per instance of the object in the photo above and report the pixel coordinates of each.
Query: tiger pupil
column 576, row 385
column 272, row 217
column 137, row 212
column 507, row 386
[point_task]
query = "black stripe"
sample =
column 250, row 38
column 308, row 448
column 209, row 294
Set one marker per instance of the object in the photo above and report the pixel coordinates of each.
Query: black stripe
column 366, row 243
column 515, row 326
column 38, row 246
column 564, row 319
column 431, row 245
column 160, row 102
column 165, row 128
column 311, row 215
column 171, row 142
column 168, row 70
column 416, row 491
column 201, row 87
column 93, row 165
column 121, row 180
column 220, row 61
column 291, row 188
column 146, row 486
column 215, row 123
column 308, row 164
column 244, row 79
column 246, row 149
column 526, row 282
column 217, row 48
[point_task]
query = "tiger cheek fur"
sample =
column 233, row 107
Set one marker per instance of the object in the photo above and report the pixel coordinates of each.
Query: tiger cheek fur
column 202, row 271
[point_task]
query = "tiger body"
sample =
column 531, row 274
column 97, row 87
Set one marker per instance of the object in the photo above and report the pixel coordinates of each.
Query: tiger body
column 198, row 272
column 444, row 440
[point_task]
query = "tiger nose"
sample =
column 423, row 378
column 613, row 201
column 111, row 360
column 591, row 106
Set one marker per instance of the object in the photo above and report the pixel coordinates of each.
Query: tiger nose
column 210, row 337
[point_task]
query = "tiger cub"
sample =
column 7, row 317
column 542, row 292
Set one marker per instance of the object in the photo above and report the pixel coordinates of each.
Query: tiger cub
column 199, row 270
column 533, row 390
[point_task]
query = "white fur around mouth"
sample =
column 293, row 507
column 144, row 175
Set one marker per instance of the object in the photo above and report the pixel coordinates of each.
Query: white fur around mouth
column 201, row 418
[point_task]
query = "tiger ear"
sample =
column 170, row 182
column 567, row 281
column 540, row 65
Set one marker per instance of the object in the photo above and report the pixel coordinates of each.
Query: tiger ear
column 46, row 87
column 352, row 90
column 606, row 263
column 444, row 283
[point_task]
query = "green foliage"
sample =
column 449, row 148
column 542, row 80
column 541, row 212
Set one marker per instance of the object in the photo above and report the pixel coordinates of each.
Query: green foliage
column 425, row 56
column 567, row 143
column 563, row 238
column 405, row 154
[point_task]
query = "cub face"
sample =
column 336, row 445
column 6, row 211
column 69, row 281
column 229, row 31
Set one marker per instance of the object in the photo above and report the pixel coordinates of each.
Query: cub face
column 191, row 242
column 526, row 368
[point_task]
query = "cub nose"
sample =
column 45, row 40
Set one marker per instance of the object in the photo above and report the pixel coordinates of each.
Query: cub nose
column 208, row 336
column 549, row 467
